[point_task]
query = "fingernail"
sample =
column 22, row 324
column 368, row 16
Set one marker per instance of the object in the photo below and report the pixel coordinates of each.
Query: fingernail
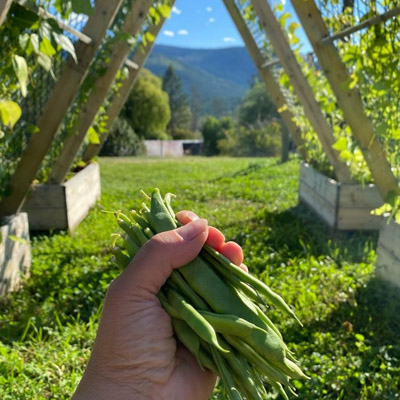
column 193, row 229
column 192, row 216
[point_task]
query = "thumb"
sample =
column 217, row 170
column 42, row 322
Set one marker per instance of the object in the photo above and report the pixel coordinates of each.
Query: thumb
column 166, row 251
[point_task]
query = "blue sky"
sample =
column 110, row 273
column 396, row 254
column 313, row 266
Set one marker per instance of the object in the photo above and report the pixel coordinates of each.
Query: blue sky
column 203, row 24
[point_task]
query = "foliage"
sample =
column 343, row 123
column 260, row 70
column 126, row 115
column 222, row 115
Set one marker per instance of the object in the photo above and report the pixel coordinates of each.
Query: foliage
column 181, row 115
column 257, row 107
column 372, row 58
column 122, row 140
column 349, row 344
column 31, row 46
column 261, row 141
column 214, row 130
column 147, row 108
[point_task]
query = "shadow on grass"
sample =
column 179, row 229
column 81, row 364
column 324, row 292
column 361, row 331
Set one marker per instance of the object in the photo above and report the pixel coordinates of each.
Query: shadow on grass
column 51, row 293
column 297, row 232
column 360, row 340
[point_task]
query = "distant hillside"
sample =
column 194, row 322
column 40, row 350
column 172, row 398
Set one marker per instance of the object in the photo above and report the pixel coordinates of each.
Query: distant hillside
column 222, row 74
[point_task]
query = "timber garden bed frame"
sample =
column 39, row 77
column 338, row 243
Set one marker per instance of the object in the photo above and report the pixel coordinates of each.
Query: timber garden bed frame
column 66, row 89
column 63, row 206
column 342, row 206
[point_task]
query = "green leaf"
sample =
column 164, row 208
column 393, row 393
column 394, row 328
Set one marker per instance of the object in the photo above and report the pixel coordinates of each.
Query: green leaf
column 293, row 26
column 396, row 134
column 18, row 239
column 341, row 144
column 10, row 113
column 150, row 37
column 44, row 61
column 34, row 38
column 24, row 41
column 47, row 48
column 359, row 337
column 64, row 42
column 93, row 136
column 82, row 7
column 21, row 70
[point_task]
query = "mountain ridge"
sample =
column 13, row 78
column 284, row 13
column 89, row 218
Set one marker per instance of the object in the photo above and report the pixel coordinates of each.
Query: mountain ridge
column 218, row 75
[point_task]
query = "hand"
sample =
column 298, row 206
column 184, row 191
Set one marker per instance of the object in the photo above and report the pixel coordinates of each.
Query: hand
column 136, row 355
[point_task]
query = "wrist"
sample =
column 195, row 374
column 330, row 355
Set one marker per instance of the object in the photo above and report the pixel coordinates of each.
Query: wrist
column 95, row 386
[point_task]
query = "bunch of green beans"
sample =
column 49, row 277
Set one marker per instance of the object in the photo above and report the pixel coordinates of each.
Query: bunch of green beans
column 217, row 310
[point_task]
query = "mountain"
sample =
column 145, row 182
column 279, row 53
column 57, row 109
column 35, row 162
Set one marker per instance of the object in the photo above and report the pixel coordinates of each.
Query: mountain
column 221, row 77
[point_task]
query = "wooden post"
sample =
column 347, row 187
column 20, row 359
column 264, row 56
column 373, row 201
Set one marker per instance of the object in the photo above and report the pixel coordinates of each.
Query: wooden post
column 285, row 144
column 4, row 7
column 304, row 92
column 140, row 57
column 349, row 100
column 119, row 53
column 267, row 77
column 61, row 98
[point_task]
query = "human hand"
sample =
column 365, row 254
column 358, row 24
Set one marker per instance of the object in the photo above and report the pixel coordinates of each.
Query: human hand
column 136, row 355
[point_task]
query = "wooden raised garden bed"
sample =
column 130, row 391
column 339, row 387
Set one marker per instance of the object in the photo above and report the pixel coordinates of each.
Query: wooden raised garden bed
column 344, row 207
column 64, row 206
column 388, row 262
column 15, row 251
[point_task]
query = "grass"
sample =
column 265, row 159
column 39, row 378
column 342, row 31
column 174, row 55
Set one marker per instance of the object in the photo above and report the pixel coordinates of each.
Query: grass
column 350, row 342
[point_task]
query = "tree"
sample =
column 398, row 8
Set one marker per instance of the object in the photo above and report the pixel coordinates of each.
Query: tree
column 213, row 131
column 257, row 107
column 181, row 115
column 147, row 108
column 195, row 107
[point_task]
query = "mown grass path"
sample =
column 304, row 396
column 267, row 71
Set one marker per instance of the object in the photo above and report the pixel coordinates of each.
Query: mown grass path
column 350, row 344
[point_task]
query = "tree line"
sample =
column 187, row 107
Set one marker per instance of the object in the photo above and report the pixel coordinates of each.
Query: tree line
column 159, row 109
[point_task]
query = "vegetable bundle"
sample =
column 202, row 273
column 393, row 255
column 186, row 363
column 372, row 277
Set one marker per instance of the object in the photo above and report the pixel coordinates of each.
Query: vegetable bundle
column 218, row 311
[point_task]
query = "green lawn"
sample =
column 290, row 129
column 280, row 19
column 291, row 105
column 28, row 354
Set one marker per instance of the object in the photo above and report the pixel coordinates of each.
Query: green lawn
column 350, row 343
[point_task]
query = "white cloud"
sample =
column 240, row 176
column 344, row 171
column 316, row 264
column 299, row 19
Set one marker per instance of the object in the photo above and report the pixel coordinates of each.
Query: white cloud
column 211, row 20
column 183, row 32
column 176, row 10
column 169, row 33
column 209, row 9
column 229, row 39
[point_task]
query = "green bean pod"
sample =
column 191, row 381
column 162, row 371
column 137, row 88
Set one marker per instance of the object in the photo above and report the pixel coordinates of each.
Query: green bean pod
column 188, row 337
column 161, row 218
column 194, row 319
column 273, row 297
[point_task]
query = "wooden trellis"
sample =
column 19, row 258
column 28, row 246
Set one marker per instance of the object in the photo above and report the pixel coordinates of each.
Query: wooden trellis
column 119, row 53
column 267, row 76
column 4, row 7
column 118, row 101
column 60, row 100
column 303, row 90
column 349, row 100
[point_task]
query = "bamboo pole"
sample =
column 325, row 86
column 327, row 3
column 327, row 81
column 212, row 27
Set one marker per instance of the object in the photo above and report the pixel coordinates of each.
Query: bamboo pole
column 304, row 92
column 97, row 97
column 267, row 77
column 4, row 7
column 140, row 57
column 58, row 104
column 349, row 100
column 377, row 19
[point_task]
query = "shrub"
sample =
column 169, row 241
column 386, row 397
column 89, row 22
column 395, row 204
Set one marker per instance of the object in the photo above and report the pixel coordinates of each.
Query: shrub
column 263, row 141
column 122, row 141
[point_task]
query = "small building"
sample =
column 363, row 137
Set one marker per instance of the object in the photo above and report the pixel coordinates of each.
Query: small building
column 173, row 148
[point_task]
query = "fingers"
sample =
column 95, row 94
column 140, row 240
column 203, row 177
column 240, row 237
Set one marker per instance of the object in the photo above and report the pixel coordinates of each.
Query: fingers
column 232, row 251
column 166, row 251
column 216, row 240
column 215, row 237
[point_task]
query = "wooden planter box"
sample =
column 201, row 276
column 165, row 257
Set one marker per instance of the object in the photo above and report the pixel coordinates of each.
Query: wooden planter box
column 388, row 262
column 15, row 252
column 344, row 207
column 64, row 206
